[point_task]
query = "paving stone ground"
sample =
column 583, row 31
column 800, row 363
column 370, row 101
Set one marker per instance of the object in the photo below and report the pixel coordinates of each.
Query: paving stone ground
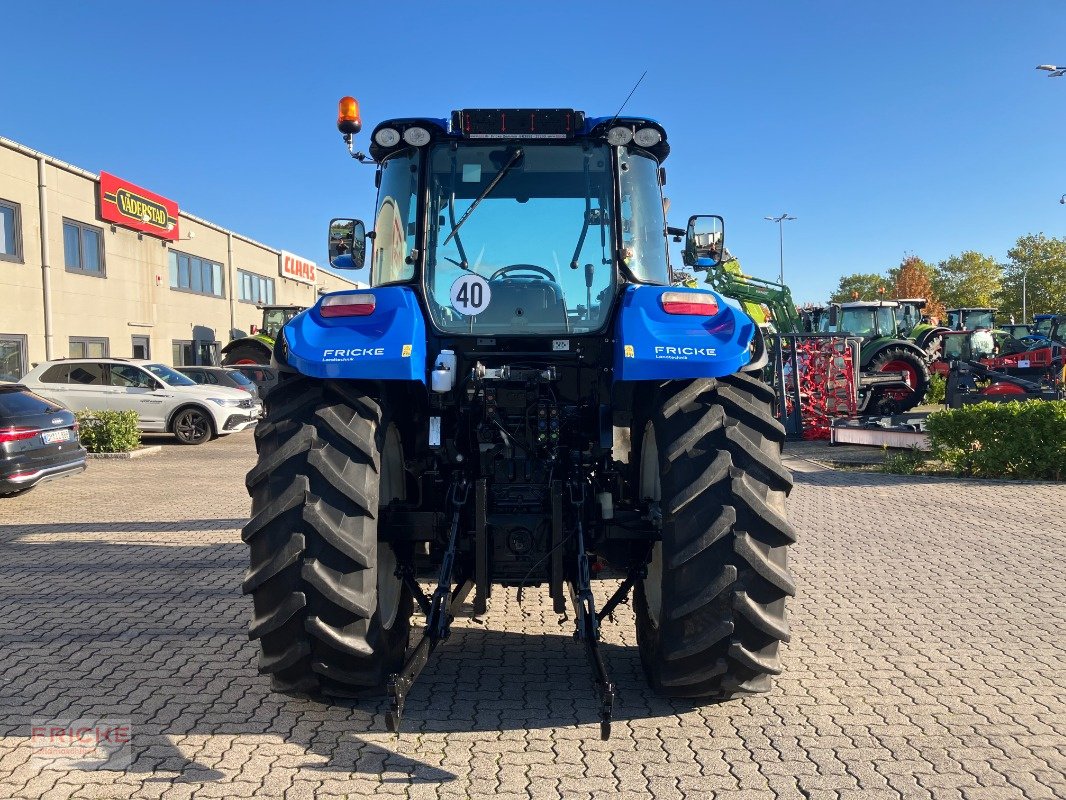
column 926, row 660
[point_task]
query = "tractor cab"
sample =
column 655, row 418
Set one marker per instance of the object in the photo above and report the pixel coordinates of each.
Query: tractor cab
column 971, row 319
column 866, row 319
column 275, row 318
column 1051, row 327
column 909, row 314
column 961, row 346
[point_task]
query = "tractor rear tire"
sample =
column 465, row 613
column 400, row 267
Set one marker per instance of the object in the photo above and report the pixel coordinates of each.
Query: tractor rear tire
column 330, row 614
column 710, row 616
column 246, row 353
column 899, row 359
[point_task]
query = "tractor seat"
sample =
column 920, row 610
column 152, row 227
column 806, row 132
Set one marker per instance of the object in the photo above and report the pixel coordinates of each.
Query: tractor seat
column 524, row 300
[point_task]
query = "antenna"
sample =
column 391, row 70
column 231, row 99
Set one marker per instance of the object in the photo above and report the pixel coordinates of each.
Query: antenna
column 635, row 85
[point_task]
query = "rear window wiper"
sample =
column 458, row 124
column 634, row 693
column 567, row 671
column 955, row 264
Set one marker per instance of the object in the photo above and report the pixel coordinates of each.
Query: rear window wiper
column 488, row 189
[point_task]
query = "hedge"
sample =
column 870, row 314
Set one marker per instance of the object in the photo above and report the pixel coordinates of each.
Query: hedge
column 937, row 389
column 108, row 431
column 1002, row 440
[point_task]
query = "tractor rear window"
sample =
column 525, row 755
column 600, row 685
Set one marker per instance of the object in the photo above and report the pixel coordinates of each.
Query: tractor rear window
column 520, row 238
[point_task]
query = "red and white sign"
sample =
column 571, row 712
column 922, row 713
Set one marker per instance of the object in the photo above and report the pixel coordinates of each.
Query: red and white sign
column 129, row 205
column 299, row 269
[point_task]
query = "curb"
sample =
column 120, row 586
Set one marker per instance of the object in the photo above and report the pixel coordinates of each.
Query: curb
column 149, row 450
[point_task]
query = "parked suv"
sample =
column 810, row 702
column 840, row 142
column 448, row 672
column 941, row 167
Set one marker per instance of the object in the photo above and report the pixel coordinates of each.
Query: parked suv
column 38, row 440
column 165, row 400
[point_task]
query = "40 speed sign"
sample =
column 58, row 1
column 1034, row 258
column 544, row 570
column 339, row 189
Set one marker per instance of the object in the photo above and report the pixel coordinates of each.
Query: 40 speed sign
column 470, row 294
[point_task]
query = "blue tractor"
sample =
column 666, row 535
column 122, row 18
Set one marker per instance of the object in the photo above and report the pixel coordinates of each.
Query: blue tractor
column 522, row 398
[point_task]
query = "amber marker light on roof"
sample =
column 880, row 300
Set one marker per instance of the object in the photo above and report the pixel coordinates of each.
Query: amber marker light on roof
column 348, row 115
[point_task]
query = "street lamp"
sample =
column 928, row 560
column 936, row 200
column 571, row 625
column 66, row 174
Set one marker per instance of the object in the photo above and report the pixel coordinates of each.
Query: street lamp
column 781, row 220
column 1025, row 316
column 1052, row 70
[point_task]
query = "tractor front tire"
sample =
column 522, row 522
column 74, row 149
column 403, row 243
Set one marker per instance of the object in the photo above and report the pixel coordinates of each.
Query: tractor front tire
column 330, row 614
column 710, row 615
column 900, row 359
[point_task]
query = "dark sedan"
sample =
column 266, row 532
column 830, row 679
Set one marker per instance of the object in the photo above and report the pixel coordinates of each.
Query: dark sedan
column 264, row 377
column 38, row 440
column 222, row 376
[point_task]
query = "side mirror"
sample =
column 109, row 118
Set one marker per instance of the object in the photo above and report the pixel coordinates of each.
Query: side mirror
column 347, row 244
column 834, row 316
column 704, row 242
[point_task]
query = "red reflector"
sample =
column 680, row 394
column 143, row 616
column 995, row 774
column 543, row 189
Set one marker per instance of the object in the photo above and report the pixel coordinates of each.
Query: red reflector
column 17, row 434
column 349, row 304
column 693, row 303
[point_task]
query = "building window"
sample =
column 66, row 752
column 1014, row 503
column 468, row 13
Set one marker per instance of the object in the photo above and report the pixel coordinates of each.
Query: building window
column 10, row 231
column 83, row 248
column 198, row 275
column 195, row 353
column 142, row 347
column 254, row 288
column 89, row 347
column 12, row 356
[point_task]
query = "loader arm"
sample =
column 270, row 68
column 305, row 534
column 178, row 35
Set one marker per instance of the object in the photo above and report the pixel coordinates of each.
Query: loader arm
column 753, row 293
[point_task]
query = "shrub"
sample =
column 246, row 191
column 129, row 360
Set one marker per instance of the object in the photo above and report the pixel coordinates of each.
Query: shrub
column 1009, row 440
column 109, row 431
column 907, row 462
column 937, row 391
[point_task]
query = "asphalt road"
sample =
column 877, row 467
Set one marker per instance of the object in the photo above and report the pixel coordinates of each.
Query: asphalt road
column 926, row 659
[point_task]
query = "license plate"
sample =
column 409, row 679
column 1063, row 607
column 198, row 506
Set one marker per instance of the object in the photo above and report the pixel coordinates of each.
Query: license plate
column 51, row 437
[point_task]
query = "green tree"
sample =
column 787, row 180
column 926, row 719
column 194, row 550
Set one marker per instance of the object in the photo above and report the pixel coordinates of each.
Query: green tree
column 1043, row 260
column 865, row 284
column 968, row 280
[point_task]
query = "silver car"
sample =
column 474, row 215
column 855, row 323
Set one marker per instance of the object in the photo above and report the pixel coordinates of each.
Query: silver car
column 165, row 400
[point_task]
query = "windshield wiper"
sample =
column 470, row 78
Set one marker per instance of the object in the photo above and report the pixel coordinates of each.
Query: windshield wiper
column 488, row 189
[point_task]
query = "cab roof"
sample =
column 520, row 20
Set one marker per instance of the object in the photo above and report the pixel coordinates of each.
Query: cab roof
column 516, row 124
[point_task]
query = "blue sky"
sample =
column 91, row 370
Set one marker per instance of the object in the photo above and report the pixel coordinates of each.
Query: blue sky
column 885, row 128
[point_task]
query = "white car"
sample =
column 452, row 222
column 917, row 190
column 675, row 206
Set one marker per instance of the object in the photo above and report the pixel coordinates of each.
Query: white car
column 165, row 400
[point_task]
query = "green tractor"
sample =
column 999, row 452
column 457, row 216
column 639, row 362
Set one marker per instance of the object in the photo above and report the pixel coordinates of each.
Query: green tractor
column 256, row 348
column 884, row 352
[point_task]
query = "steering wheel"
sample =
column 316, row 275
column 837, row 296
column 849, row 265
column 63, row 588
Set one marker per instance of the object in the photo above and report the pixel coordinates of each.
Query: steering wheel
column 526, row 267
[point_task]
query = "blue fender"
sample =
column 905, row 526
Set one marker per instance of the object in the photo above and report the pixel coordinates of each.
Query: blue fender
column 389, row 344
column 653, row 345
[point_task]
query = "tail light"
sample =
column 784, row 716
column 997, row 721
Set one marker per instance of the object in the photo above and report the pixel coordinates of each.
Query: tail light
column 348, row 304
column 691, row 303
column 17, row 434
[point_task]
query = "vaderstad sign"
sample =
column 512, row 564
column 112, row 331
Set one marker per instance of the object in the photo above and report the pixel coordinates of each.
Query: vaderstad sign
column 132, row 206
column 299, row 269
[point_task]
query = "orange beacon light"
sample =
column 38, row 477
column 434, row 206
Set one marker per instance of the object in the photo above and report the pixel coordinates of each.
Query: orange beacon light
column 348, row 121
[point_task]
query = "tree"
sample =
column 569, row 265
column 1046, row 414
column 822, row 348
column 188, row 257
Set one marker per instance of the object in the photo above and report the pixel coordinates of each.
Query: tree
column 866, row 284
column 914, row 278
column 1045, row 283
column 969, row 280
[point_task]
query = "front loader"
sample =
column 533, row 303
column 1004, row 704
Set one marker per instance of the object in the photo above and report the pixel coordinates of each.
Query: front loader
column 522, row 398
